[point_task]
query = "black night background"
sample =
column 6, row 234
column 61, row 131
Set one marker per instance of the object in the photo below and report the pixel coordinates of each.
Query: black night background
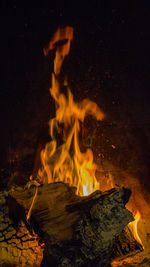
column 108, row 63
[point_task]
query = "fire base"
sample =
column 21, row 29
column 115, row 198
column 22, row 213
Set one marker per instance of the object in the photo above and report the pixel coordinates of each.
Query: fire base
column 76, row 231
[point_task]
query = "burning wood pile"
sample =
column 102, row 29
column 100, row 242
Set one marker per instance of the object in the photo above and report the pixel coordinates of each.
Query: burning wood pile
column 61, row 218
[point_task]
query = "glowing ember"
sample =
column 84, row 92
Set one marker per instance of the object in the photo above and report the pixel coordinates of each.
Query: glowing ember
column 66, row 162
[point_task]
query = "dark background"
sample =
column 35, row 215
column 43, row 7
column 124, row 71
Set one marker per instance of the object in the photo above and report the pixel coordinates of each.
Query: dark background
column 108, row 63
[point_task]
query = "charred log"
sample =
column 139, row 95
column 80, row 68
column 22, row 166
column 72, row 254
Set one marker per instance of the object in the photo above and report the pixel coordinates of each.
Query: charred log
column 125, row 244
column 77, row 231
column 18, row 247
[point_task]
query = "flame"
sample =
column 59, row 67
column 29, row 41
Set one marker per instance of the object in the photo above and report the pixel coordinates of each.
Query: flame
column 132, row 205
column 133, row 227
column 62, row 159
column 65, row 162
column 62, row 34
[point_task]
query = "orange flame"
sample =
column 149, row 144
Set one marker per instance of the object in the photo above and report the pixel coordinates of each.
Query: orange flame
column 131, row 206
column 66, row 162
column 58, row 161
column 133, row 227
column 62, row 34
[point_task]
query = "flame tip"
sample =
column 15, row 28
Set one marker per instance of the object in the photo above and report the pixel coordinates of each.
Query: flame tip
column 79, row 169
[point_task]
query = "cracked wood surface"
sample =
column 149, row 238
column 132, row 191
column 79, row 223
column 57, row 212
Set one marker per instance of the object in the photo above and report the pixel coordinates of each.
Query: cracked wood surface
column 77, row 231
column 18, row 247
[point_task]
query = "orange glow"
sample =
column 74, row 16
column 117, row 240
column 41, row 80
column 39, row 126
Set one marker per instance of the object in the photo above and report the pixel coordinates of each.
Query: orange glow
column 62, row 159
column 133, row 227
column 133, row 205
column 66, row 162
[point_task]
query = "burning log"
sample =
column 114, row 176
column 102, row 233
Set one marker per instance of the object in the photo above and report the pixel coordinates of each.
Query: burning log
column 79, row 225
column 77, row 231
column 125, row 245
column 18, row 247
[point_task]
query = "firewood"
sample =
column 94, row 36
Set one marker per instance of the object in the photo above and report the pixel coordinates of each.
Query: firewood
column 125, row 245
column 18, row 247
column 77, row 231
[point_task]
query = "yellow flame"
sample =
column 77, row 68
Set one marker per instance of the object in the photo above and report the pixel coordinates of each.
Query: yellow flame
column 62, row 160
column 133, row 227
column 65, row 162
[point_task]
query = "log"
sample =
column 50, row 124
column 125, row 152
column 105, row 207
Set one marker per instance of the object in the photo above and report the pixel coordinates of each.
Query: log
column 77, row 231
column 18, row 247
column 125, row 245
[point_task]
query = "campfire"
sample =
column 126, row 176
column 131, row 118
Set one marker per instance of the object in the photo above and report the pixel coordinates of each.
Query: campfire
column 63, row 216
column 66, row 162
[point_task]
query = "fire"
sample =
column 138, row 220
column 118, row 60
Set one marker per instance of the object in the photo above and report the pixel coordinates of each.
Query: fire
column 62, row 160
column 65, row 162
column 66, row 36
column 133, row 227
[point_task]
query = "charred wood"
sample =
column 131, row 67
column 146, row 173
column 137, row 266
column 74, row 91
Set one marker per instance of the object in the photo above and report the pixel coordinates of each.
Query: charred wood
column 18, row 247
column 125, row 244
column 77, row 231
